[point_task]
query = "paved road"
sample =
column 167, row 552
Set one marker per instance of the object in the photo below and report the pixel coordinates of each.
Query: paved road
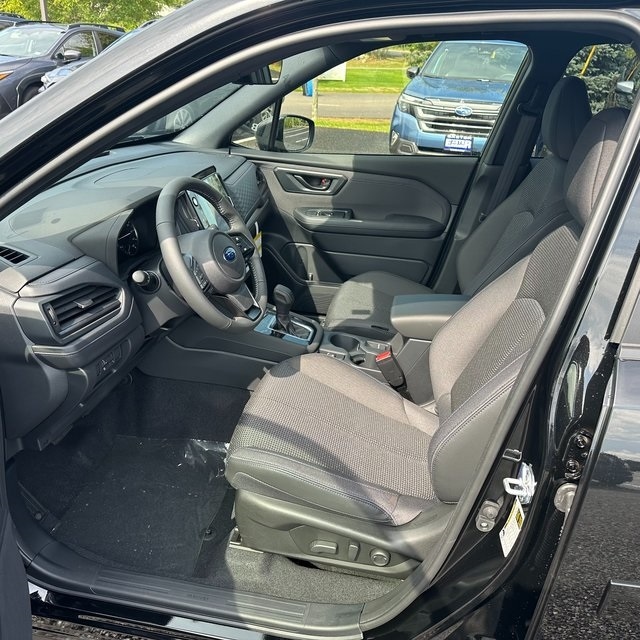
column 344, row 105
column 349, row 141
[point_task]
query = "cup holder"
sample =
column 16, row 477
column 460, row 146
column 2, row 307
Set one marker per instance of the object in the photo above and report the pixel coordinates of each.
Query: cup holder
column 343, row 341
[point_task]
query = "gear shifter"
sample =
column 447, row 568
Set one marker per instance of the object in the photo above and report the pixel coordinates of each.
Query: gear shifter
column 283, row 297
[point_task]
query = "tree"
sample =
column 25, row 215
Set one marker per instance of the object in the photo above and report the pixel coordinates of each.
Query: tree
column 123, row 13
column 608, row 64
column 419, row 52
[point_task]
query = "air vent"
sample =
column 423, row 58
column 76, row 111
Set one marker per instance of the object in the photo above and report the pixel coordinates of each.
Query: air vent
column 82, row 308
column 12, row 255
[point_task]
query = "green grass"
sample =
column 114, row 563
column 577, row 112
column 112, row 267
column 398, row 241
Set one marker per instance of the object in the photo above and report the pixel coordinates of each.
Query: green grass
column 367, row 80
column 379, row 61
column 354, row 124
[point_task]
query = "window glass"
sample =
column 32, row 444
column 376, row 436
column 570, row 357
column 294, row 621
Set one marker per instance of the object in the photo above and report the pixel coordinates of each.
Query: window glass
column 610, row 72
column 423, row 98
column 105, row 39
column 82, row 42
column 22, row 42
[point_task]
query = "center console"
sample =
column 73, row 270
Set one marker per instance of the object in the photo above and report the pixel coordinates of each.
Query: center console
column 300, row 331
column 416, row 318
column 197, row 351
column 358, row 351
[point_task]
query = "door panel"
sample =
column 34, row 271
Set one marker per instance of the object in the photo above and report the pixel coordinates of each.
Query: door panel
column 336, row 216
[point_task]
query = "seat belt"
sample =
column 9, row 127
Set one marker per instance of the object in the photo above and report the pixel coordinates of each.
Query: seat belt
column 529, row 114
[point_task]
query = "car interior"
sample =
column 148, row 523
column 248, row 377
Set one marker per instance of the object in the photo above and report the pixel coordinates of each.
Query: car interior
column 267, row 380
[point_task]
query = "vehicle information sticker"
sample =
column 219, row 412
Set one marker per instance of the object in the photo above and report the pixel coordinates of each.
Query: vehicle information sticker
column 512, row 528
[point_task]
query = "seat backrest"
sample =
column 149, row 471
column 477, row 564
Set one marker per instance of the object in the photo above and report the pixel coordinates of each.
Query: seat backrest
column 476, row 356
column 536, row 206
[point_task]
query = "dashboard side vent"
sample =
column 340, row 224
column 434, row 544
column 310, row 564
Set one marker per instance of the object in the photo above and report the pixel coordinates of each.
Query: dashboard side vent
column 12, row 255
column 82, row 308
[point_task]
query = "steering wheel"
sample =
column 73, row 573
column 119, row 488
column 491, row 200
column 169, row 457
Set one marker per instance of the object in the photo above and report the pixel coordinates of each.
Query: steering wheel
column 210, row 268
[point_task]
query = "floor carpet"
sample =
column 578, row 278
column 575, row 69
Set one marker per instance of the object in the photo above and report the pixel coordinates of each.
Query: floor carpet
column 150, row 504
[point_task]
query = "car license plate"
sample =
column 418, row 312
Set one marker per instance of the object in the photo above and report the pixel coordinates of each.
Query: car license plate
column 454, row 142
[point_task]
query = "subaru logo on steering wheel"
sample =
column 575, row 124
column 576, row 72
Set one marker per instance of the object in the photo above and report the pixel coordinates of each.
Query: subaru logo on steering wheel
column 229, row 254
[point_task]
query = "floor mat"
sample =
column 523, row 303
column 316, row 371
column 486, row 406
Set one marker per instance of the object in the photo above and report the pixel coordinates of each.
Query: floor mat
column 161, row 408
column 150, row 503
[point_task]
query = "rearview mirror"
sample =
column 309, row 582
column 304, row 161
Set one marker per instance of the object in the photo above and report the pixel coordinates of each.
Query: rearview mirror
column 265, row 75
column 294, row 134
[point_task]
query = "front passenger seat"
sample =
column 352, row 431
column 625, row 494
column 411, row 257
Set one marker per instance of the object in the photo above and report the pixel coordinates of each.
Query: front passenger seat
column 362, row 305
column 332, row 466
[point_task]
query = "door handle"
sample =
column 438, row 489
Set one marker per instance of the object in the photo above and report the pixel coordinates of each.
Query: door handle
column 299, row 180
column 315, row 183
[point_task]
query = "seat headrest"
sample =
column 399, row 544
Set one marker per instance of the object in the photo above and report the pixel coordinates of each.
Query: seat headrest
column 564, row 117
column 590, row 161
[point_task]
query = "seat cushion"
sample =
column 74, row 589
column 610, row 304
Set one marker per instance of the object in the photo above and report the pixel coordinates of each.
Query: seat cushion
column 320, row 433
column 363, row 304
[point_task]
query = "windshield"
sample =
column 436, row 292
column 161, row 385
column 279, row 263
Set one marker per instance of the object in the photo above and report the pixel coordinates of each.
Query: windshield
column 181, row 118
column 25, row 42
column 475, row 61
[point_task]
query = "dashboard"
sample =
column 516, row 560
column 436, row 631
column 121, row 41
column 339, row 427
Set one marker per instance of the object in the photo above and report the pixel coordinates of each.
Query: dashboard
column 66, row 297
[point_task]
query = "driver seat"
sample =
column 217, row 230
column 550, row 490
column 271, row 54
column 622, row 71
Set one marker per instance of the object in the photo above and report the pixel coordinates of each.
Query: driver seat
column 336, row 468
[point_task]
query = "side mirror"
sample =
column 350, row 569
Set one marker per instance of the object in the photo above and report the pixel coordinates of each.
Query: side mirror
column 71, row 55
column 625, row 86
column 412, row 72
column 294, row 134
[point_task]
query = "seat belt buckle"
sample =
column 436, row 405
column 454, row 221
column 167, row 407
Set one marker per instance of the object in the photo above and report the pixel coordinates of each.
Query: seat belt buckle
column 390, row 369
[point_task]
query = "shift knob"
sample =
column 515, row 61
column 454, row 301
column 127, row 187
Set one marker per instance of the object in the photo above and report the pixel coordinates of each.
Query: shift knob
column 283, row 298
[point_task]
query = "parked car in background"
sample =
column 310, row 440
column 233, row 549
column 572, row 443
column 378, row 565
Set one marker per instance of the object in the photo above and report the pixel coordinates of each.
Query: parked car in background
column 30, row 49
column 176, row 120
column 60, row 73
column 10, row 19
column 453, row 100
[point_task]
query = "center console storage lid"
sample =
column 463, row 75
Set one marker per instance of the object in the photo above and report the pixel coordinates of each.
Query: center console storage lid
column 421, row 316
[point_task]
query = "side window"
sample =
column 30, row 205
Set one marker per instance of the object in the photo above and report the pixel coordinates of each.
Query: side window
column 105, row 39
column 82, row 42
column 422, row 98
column 610, row 72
